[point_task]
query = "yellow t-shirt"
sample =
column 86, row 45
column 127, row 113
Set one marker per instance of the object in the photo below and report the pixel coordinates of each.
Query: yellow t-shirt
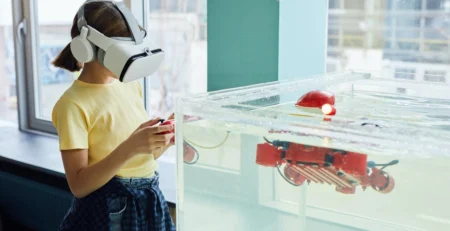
column 99, row 117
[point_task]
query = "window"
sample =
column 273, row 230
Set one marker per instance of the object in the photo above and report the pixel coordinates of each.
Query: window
column 405, row 39
column 179, row 27
column 436, row 5
column 435, row 76
column 408, row 5
column 403, row 73
column 334, row 4
column 54, row 35
column 354, row 4
column 389, row 34
column 8, row 96
column 401, row 90
column 42, row 36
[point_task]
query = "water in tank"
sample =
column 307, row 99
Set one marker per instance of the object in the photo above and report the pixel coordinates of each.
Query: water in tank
column 342, row 151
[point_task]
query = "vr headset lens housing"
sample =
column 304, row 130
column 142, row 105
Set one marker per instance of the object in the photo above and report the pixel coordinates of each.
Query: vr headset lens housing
column 128, row 58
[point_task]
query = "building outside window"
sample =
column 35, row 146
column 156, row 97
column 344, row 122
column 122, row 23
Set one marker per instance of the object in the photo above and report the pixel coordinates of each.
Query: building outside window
column 389, row 35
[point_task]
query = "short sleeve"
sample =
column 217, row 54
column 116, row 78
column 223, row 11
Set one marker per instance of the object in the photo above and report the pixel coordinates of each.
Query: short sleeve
column 71, row 124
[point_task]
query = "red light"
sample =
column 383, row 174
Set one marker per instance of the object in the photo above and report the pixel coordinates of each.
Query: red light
column 328, row 109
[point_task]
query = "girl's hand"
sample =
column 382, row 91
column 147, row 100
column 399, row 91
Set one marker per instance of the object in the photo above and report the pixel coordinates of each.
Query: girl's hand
column 84, row 179
column 171, row 117
column 147, row 140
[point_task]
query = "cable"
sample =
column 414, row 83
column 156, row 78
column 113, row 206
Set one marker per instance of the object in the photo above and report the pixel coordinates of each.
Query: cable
column 278, row 166
column 200, row 146
column 204, row 147
column 284, row 177
column 372, row 164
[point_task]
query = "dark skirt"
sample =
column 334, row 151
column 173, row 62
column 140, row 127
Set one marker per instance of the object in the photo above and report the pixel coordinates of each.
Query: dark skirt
column 123, row 204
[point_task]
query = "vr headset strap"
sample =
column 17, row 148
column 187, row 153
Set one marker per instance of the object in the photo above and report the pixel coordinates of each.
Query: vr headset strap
column 81, row 20
column 131, row 22
column 126, row 14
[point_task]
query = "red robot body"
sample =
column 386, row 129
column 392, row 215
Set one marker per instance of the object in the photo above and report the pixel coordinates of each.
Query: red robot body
column 345, row 170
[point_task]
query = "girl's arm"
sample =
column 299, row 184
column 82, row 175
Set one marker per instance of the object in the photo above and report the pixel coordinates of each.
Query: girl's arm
column 84, row 179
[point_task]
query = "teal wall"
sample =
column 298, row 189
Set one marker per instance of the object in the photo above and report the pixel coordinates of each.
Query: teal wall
column 255, row 41
column 242, row 42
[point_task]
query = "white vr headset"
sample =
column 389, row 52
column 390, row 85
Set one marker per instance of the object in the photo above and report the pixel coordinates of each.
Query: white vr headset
column 129, row 58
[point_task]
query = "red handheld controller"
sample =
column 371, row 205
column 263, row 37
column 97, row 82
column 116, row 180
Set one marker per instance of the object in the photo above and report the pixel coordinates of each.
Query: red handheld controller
column 169, row 122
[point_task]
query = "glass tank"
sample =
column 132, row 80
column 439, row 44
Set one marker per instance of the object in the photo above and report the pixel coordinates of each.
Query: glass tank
column 343, row 151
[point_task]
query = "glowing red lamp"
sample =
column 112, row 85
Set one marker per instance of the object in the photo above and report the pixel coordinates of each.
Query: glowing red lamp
column 322, row 100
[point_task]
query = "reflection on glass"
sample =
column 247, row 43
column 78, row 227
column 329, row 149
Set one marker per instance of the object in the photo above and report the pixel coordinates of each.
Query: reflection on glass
column 8, row 97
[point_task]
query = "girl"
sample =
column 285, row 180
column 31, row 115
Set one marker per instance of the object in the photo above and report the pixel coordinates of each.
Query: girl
column 108, row 146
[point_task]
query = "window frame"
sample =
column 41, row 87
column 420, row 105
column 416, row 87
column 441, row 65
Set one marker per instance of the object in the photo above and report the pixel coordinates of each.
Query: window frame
column 26, row 45
column 19, row 20
column 139, row 10
column 25, row 17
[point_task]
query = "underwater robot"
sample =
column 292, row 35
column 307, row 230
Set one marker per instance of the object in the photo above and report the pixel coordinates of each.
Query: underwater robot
column 345, row 170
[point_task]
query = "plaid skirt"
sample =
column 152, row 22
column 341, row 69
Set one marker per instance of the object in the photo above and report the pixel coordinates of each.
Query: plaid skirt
column 123, row 204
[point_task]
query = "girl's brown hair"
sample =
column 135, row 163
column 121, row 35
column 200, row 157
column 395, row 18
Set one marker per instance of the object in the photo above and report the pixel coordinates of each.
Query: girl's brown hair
column 104, row 17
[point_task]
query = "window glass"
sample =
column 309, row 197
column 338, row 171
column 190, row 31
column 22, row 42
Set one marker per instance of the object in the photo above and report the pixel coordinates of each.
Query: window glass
column 436, row 5
column 179, row 27
column 8, row 97
column 354, row 4
column 390, row 35
column 54, row 35
column 407, row 40
column 334, row 4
